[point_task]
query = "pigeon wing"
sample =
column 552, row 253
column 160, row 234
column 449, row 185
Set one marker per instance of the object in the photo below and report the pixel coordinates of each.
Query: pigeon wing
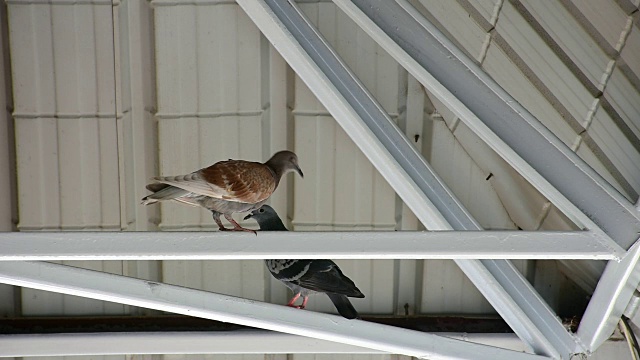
column 232, row 180
column 240, row 181
column 192, row 183
column 325, row 276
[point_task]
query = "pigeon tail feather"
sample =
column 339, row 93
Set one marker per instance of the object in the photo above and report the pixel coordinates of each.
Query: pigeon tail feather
column 167, row 192
column 344, row 306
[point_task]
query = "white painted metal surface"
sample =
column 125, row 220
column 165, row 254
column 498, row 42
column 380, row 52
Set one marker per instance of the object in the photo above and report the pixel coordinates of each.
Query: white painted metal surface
column 65, row 116
column 63, row 61
column 169, row 342
column 343, row 112
column 508, row 291
column 297, row 245
column 504, row 287
column 210, row 95
column 85, row 283
column 395, row 52
column 7, row 152
column 483, row 131
column 291, row 117
column 185, row 342
column 571, row 38
column 610, row 299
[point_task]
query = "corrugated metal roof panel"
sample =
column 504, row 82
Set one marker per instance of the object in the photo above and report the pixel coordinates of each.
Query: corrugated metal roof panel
column 377, row 71
column 224, row 93
column 595, row 162
column 447, row 290
column 556, row 81
column 209, row 97
column 453, row 18
column 66, row 132
column 487, row 9
column 44, row 303
column 617, row 148
column 88, row 173
column 203, row 65
column 506, row 73
column 65, row 109
column 471, row 184
column 572, row 39
column 341, row 189
column 624, row 97
column 630, row 53
column 237, row 278
column 603, row 18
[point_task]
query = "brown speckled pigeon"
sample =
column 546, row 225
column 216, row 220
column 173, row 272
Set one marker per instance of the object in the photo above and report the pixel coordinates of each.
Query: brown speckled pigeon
column 226, row 187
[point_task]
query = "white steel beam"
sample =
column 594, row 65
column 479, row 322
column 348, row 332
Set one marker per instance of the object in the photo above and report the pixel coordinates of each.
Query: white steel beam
column 520, row 139
column 610, row 299
column 392, row 154
column 49, row 246
column 505, row 125
column 350, row 112
column 191, row 302
column 431, row 84
column 201, row 342
column 170, row 342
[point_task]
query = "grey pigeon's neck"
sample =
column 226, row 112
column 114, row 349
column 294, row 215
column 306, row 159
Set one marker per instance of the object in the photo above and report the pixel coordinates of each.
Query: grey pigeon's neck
column 270, row 224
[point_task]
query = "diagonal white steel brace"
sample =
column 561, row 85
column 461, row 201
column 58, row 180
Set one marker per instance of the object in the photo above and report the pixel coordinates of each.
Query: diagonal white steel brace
column 392, row 154
column 496, row 117
column 540, row 157
column 108, row 287
column 609, row 301
column 53, row 246
column 379, row 30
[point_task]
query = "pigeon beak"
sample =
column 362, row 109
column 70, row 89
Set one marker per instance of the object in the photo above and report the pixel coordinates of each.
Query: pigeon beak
column 248, row 216
column 299, row 171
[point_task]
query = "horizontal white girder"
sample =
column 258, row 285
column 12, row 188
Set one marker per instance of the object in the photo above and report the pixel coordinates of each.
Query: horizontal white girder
column 50, row 246
column 200, row 342
column 191, row 302
column 170, row 342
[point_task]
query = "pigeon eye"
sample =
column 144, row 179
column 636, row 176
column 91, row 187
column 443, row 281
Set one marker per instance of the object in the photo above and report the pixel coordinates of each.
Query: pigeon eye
column 261, row 210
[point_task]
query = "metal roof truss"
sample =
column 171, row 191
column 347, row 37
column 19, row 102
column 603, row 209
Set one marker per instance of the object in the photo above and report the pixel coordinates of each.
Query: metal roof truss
column 609, row 222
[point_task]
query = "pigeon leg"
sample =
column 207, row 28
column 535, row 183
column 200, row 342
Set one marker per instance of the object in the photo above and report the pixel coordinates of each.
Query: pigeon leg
column 216, row 218
column 304, row 302
column 236, row 226
column 293, row 300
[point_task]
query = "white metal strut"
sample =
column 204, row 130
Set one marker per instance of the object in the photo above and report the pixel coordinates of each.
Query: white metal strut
column 202, row 342
column 391, row 153
column 148, row 294
column 49, row 246
column 571, row 184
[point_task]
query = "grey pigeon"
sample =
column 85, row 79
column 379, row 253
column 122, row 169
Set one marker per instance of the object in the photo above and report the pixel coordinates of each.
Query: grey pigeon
column 304, row 277
column 226, row 187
